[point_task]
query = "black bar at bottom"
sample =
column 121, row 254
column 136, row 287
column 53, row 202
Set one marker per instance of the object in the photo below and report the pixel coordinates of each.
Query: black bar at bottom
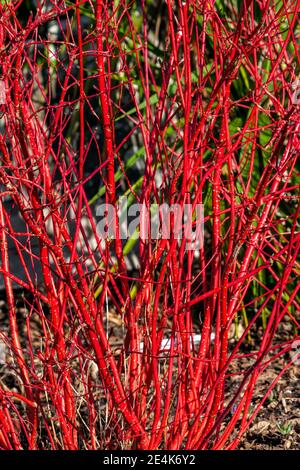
column 138, row 459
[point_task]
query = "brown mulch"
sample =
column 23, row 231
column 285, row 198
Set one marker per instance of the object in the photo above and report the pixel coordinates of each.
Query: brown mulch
column 277, row 426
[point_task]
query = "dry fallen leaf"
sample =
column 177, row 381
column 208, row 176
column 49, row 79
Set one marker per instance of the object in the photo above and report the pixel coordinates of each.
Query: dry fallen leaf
column 260, row 427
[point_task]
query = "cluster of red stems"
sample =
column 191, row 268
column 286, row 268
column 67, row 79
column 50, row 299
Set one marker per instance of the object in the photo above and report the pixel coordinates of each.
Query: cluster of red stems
column 72, row 388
